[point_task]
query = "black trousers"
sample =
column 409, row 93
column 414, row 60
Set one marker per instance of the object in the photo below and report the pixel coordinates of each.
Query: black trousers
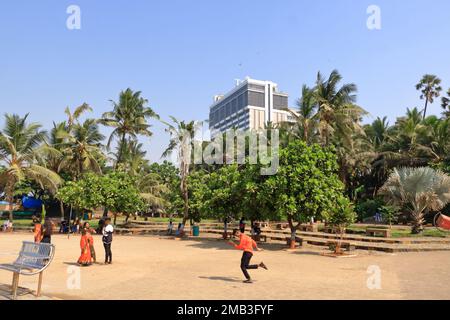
column 47, row 239
column 108, row 253
column 245, row 264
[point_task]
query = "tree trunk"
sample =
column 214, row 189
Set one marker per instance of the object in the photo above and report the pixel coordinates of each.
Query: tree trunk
column 338, row 249
column 115, row 218
column 418, row 221
column 293, row 232
column 122, row 142
column 225, row 230
column 186, row 200
column 10, row 200
column 105, row 212
column 425, row 109
column 61, row 208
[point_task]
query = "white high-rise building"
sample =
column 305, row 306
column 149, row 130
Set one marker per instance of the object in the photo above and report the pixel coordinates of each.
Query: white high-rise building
column 250, row 105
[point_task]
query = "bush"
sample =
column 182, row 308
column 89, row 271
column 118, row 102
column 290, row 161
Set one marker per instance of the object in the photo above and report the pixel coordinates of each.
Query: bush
column 368, row 208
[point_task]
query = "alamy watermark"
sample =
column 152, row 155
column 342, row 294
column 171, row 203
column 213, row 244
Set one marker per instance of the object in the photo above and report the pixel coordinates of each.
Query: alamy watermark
column 232, row 147
column 73, row 21
column 374, row 19
column 374, row 280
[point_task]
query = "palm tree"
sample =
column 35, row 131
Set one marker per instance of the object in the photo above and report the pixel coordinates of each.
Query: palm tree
column 128, row 118
column 305, row 125
column 182, row 134
column 377, row 132
column 420, row 190
column 430, row 88
column 446, row 104
column 20, row 145
column 335, row 105
column 82, row 148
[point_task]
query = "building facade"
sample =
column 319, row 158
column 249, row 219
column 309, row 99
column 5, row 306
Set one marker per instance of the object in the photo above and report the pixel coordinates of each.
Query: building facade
column 250, row 105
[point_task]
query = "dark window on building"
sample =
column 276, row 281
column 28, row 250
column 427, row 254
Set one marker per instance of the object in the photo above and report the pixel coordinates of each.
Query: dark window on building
column 256, row 99
column 280, row 102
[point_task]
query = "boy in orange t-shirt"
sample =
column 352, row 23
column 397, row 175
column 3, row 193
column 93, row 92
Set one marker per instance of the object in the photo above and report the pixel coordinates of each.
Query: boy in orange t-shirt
column 246, row 244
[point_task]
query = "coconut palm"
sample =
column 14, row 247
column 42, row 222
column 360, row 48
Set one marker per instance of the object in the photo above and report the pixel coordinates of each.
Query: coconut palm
column 305, row 124
column 420, row 190
column 82, row 148
column 446, row 104
column 128, row 119
column 182, row 135
column 430, row 88
column 336, row 108
column 377, row 132
column 20, row 145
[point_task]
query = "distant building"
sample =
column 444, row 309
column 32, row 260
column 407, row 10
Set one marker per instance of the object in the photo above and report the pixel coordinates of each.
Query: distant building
column 250, row 105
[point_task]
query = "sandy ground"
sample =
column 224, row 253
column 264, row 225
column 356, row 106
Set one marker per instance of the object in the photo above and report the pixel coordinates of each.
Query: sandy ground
column 156, row 268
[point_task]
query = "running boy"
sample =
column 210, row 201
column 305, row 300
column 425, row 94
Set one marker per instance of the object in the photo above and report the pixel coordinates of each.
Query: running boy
column 246, row 244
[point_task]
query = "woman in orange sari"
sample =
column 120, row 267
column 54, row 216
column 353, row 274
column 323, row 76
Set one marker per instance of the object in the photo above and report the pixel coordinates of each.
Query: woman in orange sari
column 85, row 258
column 89, row 232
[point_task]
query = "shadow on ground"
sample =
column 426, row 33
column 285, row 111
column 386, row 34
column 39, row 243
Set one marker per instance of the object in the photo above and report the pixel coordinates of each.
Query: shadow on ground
column 226, row 279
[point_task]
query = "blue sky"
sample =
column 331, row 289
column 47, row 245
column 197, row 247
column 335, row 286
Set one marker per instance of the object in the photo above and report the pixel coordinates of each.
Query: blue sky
column 181, row 53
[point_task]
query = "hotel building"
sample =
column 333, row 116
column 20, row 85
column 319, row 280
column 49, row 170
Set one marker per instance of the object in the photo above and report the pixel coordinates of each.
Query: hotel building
column 250, row 105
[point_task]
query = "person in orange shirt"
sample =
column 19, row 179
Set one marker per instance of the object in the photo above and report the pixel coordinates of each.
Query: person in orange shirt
column 37, row 230
column 246, row 244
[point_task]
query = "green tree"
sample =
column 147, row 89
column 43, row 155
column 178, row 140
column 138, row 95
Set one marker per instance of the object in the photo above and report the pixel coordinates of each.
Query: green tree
column 419, row 190
column 181, row 140
column 306, row 185
column 336, row 108
column 20, row 146
column 340, row 216
column 129, row 119
column 430, row 88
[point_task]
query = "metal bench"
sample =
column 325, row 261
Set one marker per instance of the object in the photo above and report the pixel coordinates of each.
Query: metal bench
column 33, row 259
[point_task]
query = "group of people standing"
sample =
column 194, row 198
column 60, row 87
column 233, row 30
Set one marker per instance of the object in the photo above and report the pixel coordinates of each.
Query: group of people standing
column 88, row 255
column 43, row 234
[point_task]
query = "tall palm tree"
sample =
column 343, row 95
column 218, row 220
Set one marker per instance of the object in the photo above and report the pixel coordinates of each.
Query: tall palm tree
column 182, row 135
column 305, row 125
column 128, row 119
column 335, row 105
column 420, row 190
column 82, row 148
column 20, row 144
column 430, row 88
column 446, row 104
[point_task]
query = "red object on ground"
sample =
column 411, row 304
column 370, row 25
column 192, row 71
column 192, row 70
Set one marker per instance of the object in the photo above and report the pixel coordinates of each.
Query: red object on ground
column 443, row 222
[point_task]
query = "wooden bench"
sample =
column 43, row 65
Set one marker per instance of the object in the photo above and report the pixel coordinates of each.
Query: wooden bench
column 333, row 230
column 261, row 238
column 33, row 259
column 373, row 232
column 345, row 245
column 282, row 226
column 309, row 227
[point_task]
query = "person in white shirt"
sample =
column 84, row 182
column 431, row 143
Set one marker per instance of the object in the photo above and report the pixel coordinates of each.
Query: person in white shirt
column 107, row 240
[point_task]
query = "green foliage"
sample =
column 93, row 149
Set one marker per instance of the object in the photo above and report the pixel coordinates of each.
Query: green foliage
column 115, row 191
column 368, row 208
column 342, row 214
column 306, row 185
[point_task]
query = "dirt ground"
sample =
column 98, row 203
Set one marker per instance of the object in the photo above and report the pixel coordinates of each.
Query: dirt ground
column 157, row 268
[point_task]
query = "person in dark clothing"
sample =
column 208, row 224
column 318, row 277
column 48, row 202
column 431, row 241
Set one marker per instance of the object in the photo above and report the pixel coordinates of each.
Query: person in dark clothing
column 47, row 231
column 107, row 240
column 242, row 225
